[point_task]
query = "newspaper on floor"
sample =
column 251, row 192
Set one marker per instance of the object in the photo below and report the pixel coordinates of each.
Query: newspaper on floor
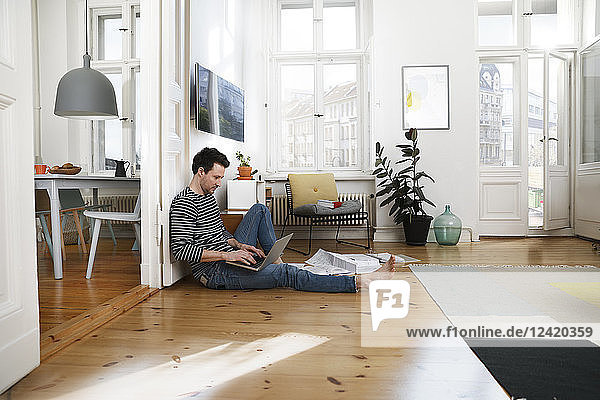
column 321, row 270
column 399, row 258
column 326, row 262
column 364, row 263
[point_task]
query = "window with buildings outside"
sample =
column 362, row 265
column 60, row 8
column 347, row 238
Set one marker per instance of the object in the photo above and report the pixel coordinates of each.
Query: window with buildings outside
column 590, row 114
column 498, row 140
column 115, row 51
column 319, row 68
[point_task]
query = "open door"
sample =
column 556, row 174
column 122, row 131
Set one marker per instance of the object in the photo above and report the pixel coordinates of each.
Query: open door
column 556, row 142
column 175, row 171
column 19, row 327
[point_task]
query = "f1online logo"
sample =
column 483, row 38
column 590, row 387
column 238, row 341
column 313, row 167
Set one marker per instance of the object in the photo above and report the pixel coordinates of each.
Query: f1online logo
column 389, row 299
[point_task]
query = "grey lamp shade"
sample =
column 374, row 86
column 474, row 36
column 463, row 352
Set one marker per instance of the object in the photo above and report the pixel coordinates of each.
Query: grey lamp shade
column 84, row 93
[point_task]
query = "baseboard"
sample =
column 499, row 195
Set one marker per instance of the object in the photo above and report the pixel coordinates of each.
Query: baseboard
column 76, row 328
column 325, row 232
column 587, row 228
column 125, row 231
column 20, row 352
column 396, row 234
column 555, row 232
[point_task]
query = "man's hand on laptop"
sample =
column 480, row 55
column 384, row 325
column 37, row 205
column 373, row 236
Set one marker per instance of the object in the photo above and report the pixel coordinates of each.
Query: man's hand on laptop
column 252, row 249
column 243, row 256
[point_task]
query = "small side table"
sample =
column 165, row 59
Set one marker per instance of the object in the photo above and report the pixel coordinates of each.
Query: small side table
column 243, row 194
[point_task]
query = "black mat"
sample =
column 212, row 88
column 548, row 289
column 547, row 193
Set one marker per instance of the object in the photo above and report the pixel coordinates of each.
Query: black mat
column 544, row 370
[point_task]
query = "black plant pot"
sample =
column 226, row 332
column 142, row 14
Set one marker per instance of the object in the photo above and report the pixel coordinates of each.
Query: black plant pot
column 416, row 229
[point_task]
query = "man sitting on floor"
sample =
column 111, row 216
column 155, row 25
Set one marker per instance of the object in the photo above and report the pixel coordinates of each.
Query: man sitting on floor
column 198, row 236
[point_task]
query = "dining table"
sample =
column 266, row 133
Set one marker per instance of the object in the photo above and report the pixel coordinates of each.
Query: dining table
column 52, row 183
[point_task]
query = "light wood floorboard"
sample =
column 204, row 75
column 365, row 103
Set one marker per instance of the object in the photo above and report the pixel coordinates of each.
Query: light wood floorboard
column 191, row 341
column 116, row 270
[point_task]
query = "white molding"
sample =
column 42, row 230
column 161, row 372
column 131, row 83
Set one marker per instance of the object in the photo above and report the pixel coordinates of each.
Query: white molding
column 6, row 101
column 7, row 29
column 503, row 172
column 10, row 285
column 588, row 169
column 554, row 232
column 338, row 177
column 396, row 234
column 144, row 274
column 587, row 228
column 325, row 232
column 389, row 234
column 18, row 353
column 150, row 126
column 514, row 215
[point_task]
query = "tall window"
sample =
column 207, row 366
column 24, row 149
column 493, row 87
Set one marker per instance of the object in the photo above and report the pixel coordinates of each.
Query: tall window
column 319, row 62
column 115, row 52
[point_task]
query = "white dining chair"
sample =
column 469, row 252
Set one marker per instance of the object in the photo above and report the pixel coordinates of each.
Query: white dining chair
column 99, row 216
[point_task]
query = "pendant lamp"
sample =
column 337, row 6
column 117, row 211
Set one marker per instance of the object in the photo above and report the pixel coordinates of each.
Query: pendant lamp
column 84, row 93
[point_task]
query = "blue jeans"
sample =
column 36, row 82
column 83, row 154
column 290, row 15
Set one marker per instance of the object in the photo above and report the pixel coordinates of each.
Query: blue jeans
column 257, row 226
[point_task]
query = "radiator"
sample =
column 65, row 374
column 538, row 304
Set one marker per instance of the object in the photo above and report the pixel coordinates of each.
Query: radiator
column 279, row 210
column 118, row 203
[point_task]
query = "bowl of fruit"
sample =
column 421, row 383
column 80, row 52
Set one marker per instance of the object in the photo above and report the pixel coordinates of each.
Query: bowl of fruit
column 66, row 169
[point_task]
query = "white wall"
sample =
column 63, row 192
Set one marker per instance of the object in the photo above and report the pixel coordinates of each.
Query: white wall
column 61, row 48
column 53, row 65
column 229, row 37
column 419, row 33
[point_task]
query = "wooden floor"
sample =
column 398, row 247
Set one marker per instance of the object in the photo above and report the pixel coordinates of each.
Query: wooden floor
column 191, row 342
column 116, row 269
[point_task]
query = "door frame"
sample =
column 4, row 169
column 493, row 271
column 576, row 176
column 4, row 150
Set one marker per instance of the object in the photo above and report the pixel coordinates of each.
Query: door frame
column 153, row 120
column 19, row 306
column 150, row 127
column 517, row 224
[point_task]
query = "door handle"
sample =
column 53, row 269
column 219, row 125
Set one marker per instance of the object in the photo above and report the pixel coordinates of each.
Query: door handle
column 552, row 138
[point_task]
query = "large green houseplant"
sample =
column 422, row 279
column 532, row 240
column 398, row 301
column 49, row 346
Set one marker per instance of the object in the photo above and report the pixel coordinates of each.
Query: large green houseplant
column 403, row 191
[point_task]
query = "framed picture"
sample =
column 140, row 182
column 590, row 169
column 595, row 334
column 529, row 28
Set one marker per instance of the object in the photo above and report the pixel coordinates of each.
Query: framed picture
column 425, row 97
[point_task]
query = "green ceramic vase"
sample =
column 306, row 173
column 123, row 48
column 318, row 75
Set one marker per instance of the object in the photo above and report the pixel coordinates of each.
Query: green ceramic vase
column 447, row 228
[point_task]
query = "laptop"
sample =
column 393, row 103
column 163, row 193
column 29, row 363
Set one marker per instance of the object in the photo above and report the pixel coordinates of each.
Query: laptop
column 273, row 255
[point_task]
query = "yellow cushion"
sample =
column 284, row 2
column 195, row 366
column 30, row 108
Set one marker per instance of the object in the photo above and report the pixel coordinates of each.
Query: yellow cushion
column 308, row 188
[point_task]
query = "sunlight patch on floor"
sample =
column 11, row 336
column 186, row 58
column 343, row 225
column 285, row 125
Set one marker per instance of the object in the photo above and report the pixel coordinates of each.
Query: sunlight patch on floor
column 188, row 376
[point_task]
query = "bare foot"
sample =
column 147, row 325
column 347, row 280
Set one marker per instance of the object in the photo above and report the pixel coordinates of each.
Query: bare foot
column 385, row 272
column 278, row 261
column 388, row 266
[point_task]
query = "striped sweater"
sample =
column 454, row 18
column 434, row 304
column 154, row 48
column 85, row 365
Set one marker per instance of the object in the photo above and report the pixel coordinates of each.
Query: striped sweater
column 195, row 226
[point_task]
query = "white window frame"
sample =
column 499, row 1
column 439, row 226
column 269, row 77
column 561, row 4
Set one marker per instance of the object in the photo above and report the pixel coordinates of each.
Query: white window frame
column 127, row 66
column 522, row 28
column 318, row 57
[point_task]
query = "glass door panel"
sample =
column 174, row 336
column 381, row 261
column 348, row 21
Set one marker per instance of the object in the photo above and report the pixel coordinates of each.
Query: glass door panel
column 556, row 143
column 535, row 141
column 297, row 104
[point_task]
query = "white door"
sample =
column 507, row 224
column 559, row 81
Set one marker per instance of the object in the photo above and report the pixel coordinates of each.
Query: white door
column 175, row 121
column 19, row 328
column 556, row 142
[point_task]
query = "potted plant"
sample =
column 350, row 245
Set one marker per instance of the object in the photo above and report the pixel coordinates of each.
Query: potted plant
column 245, row 170
column 403, row 191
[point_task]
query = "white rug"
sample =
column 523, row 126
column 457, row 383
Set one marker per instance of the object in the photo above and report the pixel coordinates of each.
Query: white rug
column 525, row 295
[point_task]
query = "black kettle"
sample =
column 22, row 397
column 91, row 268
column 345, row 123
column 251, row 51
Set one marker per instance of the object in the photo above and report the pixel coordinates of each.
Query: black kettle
column 121, row 168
